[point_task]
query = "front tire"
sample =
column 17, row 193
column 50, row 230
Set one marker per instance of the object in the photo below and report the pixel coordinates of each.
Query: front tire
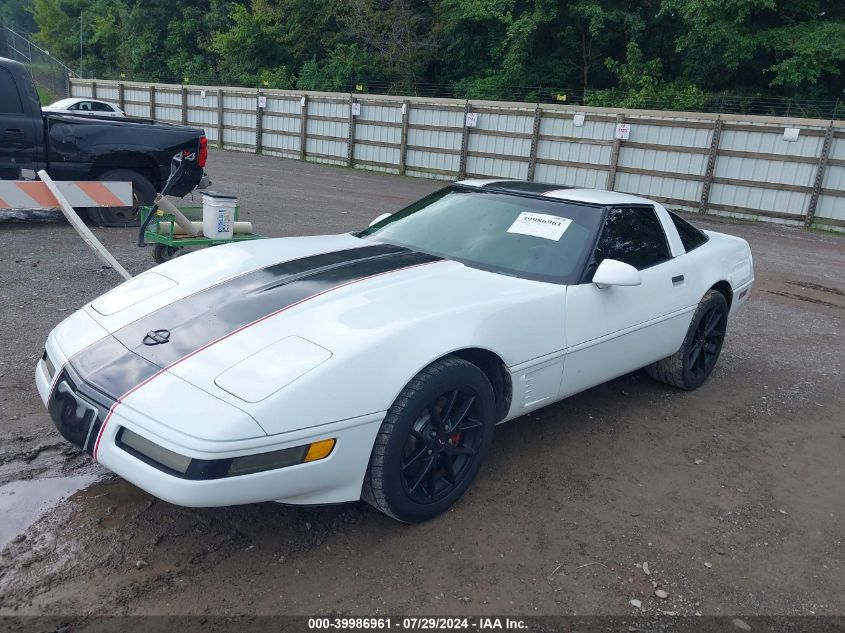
column 690, row 366
column 432, row 442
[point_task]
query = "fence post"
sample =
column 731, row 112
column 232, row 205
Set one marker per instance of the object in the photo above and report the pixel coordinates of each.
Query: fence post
column 403, row 144
column 614, row 156
column 462, row 168
column 121, row 102
column 152, row 91
column 535, row 139
column 220, row 126
column 259, row 123
column 350, row 137
column 93, row 89
column 303, row 126
column 184, row 105
column 817, row 184
column 710, row 169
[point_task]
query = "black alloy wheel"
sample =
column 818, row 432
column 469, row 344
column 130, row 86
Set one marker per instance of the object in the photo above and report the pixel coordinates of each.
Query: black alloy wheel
column 692, row 364
column 432, row 441
column 441, row 446
column 707, row 342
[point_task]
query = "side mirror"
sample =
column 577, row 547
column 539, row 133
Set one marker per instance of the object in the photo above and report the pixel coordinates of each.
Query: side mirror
column 615, row 273
column 380, row 218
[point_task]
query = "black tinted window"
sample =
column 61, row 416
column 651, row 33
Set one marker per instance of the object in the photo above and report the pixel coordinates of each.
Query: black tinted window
column 633, row 235
column 10, row 102
column 102, row 107
column 691, row 237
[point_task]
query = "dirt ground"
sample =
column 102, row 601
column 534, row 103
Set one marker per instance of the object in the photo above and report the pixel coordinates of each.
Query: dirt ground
column 734, row 495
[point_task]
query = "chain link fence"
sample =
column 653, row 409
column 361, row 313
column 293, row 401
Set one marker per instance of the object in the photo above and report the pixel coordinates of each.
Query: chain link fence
column 52, row 77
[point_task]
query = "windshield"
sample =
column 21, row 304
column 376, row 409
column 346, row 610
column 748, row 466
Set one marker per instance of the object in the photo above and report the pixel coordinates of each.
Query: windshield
column 544, row 240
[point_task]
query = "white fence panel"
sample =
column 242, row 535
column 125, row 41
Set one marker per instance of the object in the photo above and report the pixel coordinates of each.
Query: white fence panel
column 756, row 171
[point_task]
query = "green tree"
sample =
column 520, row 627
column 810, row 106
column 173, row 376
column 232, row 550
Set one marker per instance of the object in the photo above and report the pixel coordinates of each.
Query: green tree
column 17, row 14
column 754, row 45
column 612, row 51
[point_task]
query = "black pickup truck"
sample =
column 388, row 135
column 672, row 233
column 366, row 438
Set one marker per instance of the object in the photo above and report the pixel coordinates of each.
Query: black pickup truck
column 76, row 147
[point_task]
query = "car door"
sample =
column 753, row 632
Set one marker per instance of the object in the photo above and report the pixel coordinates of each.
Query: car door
column 614, row 330
column 18, row 138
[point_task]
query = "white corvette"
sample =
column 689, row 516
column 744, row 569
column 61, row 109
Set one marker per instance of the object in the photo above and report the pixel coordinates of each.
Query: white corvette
column 314, row 370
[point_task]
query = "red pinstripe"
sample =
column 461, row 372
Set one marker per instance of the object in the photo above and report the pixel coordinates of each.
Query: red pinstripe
column 232, row 333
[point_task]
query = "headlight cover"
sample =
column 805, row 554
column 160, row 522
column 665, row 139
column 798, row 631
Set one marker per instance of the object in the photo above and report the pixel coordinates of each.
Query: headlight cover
column 265, row 372
column 133, row 291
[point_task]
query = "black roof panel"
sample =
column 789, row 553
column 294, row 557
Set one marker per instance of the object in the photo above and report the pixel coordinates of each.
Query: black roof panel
column 521, row 186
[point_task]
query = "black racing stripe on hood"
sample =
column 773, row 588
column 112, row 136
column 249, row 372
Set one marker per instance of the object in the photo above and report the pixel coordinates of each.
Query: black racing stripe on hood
column 121, row 362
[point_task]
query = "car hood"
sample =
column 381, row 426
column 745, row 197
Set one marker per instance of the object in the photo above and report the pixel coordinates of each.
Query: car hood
column 297, row 316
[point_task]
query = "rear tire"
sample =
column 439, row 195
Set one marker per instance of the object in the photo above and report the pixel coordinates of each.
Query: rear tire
column 432, row 442
column 143, row 193
column 690, row 366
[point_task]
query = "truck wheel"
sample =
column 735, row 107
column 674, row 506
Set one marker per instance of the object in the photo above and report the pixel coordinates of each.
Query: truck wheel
column 143, row 193
column 690, row 366
column 432, row 442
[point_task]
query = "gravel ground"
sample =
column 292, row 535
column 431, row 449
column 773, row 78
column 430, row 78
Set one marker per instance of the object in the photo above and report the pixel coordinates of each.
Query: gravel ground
column 729, row 499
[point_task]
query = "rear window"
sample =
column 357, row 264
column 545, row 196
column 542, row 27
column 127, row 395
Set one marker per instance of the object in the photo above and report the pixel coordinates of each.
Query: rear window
column 691, row 237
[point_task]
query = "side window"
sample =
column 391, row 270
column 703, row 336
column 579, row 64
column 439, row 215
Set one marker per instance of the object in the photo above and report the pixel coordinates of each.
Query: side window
column 691, row 237
column 10, row 101
column 102, row 107
column 84, row 105
column 633, row 235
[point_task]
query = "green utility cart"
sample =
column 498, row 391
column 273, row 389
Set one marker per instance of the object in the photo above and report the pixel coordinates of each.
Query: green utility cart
column 162, row 232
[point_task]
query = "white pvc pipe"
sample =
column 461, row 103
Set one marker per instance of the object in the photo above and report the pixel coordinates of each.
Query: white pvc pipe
column 186, row 225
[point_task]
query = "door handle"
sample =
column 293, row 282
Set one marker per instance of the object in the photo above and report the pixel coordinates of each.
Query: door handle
column 12, row 133
column 677, row 279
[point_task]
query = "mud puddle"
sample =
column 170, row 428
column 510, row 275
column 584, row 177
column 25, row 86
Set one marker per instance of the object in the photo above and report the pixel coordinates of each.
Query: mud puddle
column 23, row 502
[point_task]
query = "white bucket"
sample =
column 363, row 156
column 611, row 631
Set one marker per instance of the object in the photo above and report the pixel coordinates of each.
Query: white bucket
column 218, row 214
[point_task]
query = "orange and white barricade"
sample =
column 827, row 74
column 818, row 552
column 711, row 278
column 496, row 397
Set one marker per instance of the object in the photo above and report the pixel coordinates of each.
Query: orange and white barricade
column 32, row 194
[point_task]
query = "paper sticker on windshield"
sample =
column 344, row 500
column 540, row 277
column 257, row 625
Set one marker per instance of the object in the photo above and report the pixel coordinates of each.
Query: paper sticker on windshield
column 549, row 227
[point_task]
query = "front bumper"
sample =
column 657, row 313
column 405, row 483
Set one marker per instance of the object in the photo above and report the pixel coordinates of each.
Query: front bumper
column 86, row 419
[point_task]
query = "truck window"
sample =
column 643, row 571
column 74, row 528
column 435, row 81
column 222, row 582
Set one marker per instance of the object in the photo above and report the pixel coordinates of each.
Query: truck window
column 10, row 101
